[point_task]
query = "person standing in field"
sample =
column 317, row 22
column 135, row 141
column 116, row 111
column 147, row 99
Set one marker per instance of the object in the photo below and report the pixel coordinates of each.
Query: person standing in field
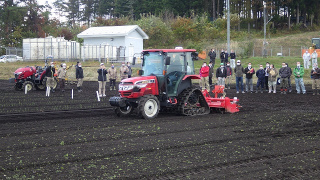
column 112, row 71
column 62, row 76
column 285, row 73
column 79, row 76
column 315, row 76
column 266, row 76
column 130, row 70
column 222, row 56
column 249, row 71
column 232, row 59
column 211, row 71
column 272, row 78
column 298, row 73
column 204, row 74
column 289, row 79
column 314, row 57
column 50, row 70
column 239, row 71
column 306, row 60
column 212, row 54
column 226, row 58
column 261, row 76
column 229, row 75
column 102, row 80
column 124, row 71
column 221, row 75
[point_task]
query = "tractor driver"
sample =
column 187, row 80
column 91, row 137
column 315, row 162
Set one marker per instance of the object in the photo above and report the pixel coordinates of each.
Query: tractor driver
column 175, row 65
column 174, row 70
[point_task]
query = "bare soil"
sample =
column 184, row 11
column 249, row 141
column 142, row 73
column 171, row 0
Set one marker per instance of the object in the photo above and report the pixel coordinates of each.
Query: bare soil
column 274, row 136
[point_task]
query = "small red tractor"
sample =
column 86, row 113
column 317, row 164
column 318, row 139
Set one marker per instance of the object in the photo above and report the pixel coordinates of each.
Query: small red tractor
column 165, row 83
column 30, row 77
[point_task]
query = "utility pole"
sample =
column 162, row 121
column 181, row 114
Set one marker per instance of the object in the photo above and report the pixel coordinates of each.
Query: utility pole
column 264, row 28
column 228, row 26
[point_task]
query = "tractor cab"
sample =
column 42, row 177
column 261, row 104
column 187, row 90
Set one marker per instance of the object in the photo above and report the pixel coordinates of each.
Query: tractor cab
column 170, row 66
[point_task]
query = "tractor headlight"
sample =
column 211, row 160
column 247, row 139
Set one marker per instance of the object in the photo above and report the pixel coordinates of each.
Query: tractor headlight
column 125, row 88
column 141, row 84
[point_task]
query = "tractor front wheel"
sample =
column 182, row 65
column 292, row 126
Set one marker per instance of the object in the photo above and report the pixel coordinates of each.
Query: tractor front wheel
column 149, row 106
column 123, row 111
column 18, row 86
column 27, row 85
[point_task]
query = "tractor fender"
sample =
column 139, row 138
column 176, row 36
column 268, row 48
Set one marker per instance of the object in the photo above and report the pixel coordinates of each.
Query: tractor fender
column 191, row 77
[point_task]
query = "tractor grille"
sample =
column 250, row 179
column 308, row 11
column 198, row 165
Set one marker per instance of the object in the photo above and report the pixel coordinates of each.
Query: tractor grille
column 126, row 94
column 127, row 83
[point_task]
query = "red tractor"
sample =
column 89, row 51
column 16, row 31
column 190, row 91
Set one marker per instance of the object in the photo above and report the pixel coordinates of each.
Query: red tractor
column 165, row 82
column 30, row 77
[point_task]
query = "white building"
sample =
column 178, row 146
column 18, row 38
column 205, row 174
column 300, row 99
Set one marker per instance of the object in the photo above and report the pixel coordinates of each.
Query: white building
column 124, row 41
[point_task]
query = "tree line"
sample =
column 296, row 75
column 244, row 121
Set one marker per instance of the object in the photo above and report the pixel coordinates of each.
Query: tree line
column 26, row 19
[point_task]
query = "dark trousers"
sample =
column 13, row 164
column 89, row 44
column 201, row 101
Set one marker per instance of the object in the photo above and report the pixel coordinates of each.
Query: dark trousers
column 62, row 83
column 129, row 76
column 210, row 80
column 113, row 83
column 260, row 82
column 239, row 82
column 266, row 82
column 213, row 62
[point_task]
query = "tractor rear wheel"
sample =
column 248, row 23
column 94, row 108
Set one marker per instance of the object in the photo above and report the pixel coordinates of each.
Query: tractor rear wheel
column 149, row 107
column 27, row 85
column 123, row 111
column 191, row 102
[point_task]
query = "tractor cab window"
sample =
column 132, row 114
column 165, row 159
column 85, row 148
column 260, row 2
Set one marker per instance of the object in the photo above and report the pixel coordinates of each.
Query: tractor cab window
column 176, row 63
column 316, row 41
column 190, row 65
column 153, row 64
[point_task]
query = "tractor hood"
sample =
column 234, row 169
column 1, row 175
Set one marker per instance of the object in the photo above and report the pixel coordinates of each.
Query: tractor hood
column 139, row 80
column 24, row 69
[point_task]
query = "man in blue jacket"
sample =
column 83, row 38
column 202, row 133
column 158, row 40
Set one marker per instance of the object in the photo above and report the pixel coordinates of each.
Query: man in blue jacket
column 102, row 80
column 261, row 78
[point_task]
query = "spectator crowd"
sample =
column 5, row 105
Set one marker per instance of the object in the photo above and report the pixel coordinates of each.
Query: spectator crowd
column 268, row 77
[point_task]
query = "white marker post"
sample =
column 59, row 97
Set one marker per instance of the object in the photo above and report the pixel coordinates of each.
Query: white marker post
column 47, row 91
column 98, row 96
column 72, row 94
column 25, row 90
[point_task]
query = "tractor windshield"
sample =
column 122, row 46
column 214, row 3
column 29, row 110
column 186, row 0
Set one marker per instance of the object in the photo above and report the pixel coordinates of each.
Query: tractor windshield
column 153, row 63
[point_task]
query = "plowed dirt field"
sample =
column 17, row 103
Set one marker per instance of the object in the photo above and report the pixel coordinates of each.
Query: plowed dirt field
column 274, row 136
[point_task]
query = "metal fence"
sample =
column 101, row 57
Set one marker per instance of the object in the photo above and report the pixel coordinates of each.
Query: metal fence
column 14, row 51
column 112, row 54
column 294, row 51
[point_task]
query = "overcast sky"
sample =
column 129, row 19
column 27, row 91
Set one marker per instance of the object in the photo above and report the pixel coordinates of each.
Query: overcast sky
column 53, row 11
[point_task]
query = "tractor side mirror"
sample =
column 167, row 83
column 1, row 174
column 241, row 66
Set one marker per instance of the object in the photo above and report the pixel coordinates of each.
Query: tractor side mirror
column 168, row 60
column 133, row 61
column 194, row 56
column 140, row 72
